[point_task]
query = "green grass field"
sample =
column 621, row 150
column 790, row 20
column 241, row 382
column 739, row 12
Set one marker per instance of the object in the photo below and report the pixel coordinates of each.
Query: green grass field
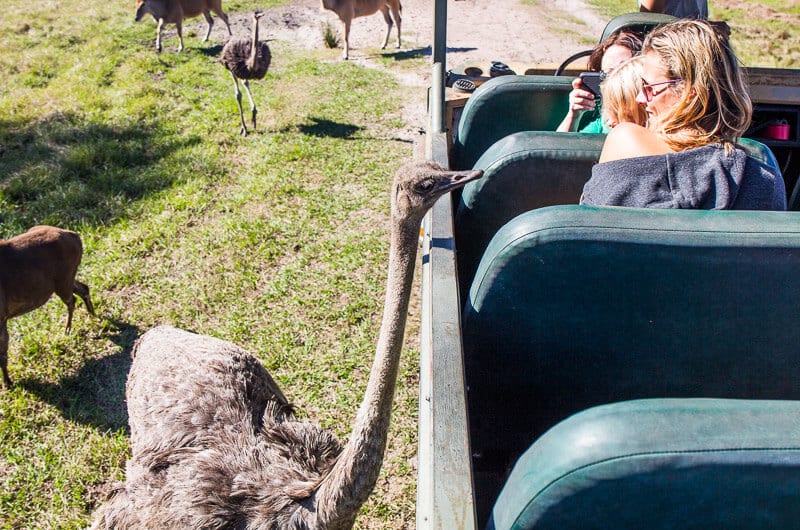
column 276, row 241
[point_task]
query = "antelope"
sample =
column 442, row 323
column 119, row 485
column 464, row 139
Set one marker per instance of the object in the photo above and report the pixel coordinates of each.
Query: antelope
column 174, row 11
column 33, row 266
column 347, row 10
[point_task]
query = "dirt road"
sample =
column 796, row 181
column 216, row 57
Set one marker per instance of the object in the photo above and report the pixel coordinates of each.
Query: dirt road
column 477, row 30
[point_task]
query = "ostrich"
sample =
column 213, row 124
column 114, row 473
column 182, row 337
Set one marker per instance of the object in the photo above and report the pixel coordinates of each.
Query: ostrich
column 246, row 60
column 214, row 441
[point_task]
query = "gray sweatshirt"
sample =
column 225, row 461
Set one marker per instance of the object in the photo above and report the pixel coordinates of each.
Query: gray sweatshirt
column 701, row 178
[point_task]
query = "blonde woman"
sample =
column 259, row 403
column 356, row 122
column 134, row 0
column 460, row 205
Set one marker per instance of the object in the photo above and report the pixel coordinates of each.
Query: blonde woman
column 698, row 106
column 620, row 89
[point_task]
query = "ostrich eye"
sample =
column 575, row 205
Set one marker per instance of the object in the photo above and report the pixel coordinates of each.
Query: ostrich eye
column 425, row 185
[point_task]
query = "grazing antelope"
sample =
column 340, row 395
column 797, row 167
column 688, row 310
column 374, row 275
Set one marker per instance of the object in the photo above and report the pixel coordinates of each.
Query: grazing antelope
column 174, row 11
column 33, row 266
column 347, row 10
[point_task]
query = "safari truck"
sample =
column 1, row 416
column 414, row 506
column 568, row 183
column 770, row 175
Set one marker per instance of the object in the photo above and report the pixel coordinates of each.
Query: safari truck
column 602, row 367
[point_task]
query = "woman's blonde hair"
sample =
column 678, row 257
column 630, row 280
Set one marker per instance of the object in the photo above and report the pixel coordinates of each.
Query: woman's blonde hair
column 620, row 89
column 716, row 105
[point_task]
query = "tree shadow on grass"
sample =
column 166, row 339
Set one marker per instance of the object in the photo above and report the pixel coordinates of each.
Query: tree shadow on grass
column 95, row 395
column 66, row 171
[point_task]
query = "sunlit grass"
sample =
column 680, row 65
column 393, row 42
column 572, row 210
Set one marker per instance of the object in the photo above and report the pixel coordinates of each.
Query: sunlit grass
column 276, row 241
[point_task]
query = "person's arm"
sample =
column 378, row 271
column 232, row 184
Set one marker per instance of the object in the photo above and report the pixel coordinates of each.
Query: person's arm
column 652, row 6
column 580, row 101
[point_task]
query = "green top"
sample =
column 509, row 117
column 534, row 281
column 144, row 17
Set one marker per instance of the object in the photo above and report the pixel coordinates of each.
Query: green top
column 598, row 125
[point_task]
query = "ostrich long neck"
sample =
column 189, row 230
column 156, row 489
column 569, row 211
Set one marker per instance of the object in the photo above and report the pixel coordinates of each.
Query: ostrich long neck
column 351, row 480
column 251, row 61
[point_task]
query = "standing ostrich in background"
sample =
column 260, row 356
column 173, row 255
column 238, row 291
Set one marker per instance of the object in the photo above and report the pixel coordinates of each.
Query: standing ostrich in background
column 246, row 60
column 215, row 443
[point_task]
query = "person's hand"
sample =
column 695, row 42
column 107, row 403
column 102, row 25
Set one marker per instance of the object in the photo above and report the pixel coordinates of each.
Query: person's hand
column 580, row 99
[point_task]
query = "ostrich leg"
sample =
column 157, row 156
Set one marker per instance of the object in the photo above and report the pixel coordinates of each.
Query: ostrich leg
column 253, row 109
column 238, row 94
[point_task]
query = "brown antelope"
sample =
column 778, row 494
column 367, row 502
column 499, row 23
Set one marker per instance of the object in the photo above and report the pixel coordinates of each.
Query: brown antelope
column 33, row 266
column 174, row 11
column 347, row 10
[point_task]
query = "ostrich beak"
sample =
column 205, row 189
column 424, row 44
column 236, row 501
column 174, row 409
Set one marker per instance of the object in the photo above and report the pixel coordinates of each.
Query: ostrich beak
column 456, row 179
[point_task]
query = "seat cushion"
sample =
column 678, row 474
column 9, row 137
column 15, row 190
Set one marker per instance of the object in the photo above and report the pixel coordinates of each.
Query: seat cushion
column 660, row 464
column 760, row 152
column 576, row 306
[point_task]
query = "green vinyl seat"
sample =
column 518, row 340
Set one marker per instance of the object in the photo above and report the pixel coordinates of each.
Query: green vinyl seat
column 575, row 306
column 521, row 172
column 638, row 21
column 660, row 464
column 505, row 105
column 760, row 152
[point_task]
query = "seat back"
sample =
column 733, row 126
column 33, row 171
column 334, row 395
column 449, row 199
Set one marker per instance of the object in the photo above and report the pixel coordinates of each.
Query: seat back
column 505, row 105
column 576, row 306
column 660, row 464
column 522, row 171
column 639, row 22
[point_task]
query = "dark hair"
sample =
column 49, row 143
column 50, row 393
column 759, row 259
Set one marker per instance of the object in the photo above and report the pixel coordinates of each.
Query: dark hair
column 623, row 37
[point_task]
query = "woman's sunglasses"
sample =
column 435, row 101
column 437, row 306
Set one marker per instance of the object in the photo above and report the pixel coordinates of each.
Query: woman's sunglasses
column 649, row 93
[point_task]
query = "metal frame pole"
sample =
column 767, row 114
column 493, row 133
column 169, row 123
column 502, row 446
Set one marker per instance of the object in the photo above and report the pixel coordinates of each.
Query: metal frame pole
column 436, row 107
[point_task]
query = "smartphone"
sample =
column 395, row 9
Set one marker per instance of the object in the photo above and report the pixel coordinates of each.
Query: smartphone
column 592, row 80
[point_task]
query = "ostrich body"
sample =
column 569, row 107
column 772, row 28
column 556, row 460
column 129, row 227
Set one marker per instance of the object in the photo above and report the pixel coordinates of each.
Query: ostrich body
column 214, row 441
column 246, row 60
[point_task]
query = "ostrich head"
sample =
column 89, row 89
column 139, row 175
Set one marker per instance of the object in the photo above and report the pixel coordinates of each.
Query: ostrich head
column 418, row 185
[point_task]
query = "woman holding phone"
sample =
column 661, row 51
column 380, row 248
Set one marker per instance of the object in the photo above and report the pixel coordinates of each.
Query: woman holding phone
column 606, row 56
